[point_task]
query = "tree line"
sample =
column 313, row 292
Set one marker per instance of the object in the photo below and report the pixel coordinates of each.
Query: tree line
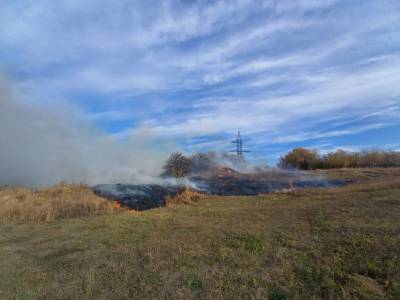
column 308, row 159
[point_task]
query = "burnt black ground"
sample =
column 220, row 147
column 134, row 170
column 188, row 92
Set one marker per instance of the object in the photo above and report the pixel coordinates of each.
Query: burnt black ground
column 139, row 197
column 251, row 187
column 147, row 196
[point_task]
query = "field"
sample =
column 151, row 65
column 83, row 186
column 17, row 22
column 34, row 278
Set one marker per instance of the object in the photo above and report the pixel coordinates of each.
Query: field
column 332, row 243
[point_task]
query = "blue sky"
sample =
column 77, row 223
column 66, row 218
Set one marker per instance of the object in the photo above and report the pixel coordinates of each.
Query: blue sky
column 323, row 74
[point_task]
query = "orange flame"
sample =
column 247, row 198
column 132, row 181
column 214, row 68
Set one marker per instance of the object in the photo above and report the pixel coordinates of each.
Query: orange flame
column 117, row 204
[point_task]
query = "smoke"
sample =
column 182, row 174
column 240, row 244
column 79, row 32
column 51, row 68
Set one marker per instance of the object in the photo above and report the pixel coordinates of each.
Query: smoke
column 203, row 162
column 43, row 146
column 238, row 164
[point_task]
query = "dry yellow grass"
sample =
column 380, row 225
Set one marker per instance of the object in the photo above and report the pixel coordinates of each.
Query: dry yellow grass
column 185, row 197
column 20, row 205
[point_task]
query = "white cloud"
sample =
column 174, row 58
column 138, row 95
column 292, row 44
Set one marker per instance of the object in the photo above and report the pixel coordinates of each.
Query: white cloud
column 349, row 95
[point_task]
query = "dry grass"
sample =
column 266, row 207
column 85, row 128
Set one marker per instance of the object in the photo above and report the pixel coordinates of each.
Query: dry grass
column 185, row 197
column 19, row 205
column 360, row 175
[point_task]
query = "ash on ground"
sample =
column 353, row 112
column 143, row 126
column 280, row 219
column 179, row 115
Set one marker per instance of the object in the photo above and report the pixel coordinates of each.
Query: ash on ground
column 220, row 181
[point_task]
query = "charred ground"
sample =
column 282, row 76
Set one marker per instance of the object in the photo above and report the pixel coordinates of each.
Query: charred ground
column 222, row 181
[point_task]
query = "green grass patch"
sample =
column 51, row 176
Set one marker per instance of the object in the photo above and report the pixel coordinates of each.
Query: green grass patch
column 196, row 284
column 253, row 244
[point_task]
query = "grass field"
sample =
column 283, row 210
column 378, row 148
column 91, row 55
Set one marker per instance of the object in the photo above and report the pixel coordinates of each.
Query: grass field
column 335, row 243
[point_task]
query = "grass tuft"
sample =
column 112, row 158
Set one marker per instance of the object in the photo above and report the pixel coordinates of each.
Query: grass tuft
column 185, row 197
column 196, row 284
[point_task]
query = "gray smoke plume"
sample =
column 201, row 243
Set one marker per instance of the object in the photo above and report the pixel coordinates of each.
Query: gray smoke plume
column 42, row 146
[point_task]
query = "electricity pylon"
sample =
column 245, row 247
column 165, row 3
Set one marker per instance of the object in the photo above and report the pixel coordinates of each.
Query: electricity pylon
column 239, row 146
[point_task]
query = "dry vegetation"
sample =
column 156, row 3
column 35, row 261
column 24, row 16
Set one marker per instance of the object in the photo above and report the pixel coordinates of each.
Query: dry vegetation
column 19, row 205
column 340, row 243
column 185, row 197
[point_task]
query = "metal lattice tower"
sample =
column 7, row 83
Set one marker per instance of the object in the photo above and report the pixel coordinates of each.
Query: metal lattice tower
column 239, row 146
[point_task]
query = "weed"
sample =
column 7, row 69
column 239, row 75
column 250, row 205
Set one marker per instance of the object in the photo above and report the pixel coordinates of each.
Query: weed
column 196, row 284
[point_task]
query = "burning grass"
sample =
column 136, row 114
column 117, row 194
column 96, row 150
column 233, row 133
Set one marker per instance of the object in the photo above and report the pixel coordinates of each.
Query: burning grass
column 19, row 205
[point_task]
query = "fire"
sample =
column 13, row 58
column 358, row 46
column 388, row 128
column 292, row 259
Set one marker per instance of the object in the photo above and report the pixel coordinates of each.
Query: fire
column 117, row 204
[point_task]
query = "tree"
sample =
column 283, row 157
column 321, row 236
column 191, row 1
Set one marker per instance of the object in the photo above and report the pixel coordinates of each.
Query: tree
column 177, row 166
column 301, row 158
column 338, row 159
column 309, row 159
column 202, row 162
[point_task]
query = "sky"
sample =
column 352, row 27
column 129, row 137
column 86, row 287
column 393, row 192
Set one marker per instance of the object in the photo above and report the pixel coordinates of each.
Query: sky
column 323, row 74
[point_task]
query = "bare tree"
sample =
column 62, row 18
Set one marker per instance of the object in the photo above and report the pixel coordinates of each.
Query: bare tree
column 202, row 162
column 177, row 166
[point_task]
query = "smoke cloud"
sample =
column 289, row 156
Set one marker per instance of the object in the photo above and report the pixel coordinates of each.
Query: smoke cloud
column 43, row 146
